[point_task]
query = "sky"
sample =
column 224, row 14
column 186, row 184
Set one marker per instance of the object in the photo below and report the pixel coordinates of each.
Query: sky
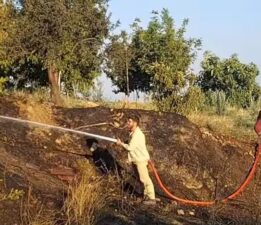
column 224, row 26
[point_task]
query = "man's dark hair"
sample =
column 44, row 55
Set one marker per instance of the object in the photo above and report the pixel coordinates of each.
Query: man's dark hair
column 135, row 118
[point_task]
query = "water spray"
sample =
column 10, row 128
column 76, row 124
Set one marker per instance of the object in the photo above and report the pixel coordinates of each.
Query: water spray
column 37, row 124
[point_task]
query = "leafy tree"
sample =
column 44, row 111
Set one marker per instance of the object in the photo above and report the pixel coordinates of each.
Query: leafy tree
column 26, row 74
column 121, row 64
column 237, row 80
column 63, row 36
column 165, row 57
column 7, row 28
column 159, row 61
column 119, row 54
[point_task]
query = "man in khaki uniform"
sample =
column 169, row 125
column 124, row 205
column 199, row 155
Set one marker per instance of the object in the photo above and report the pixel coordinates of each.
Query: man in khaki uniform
column 139, row 156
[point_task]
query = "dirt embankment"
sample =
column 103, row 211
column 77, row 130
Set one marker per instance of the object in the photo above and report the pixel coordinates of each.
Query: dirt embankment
column 193, row 163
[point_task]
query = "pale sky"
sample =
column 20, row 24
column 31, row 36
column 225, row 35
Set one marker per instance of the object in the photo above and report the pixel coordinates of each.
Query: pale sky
column 225, row 26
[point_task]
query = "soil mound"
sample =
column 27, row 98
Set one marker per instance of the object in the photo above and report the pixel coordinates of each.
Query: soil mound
column 192, row 162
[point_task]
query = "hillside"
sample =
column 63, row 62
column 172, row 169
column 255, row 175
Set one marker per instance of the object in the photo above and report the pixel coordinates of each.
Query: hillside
column 194, row 163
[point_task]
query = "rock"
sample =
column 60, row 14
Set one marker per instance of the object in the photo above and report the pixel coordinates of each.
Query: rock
column 32, row 166
column 181, row 212
column 58, row 141
column 192, row 213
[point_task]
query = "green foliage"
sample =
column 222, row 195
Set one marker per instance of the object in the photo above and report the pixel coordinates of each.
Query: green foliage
column 235, row 79
column 166, row 57
column 97, row 92
column 193, row 101
column 2, row 84
column 25, row 75
column 66, row 36
column 119, row 55
column 7, row 30
column 219, row 101
column 13, row 195
column 159, row 60
column 216, row 101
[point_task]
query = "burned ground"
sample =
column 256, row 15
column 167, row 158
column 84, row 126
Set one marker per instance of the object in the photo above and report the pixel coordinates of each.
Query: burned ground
column 194, row 163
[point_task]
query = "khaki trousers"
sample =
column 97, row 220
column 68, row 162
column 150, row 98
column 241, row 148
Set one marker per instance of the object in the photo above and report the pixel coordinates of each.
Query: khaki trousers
column 145, row 179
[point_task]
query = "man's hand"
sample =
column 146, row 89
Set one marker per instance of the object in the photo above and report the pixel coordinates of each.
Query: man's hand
column 119, row 142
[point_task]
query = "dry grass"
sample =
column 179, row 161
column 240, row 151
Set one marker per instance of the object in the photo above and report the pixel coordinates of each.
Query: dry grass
column 40, row 95
column 43, row 96
column 237, row 123
column 86, row 198
column 129, row 105
column 40, row 217
column 84, row 205
column 70, row 102
column 34, row 213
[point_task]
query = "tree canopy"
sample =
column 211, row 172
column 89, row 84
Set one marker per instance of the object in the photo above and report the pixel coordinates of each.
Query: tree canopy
column 159, row 60
column 236, row 79
column 118, row 57
column 65, row 37
column 51, row 41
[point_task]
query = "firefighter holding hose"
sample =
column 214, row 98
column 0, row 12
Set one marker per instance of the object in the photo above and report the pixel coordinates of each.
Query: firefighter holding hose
column 139, row 156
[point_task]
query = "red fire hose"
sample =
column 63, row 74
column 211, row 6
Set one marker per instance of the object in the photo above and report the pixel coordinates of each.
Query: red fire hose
column 241, row 188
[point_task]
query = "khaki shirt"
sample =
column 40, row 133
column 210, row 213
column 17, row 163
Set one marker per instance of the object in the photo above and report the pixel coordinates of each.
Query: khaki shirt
column 137, row 150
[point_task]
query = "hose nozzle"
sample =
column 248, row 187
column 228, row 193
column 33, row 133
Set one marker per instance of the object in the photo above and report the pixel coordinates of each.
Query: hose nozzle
column 94, row 146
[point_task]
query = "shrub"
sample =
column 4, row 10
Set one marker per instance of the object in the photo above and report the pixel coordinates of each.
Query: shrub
column 192, row 100
column 3, row 81
column 217, row 100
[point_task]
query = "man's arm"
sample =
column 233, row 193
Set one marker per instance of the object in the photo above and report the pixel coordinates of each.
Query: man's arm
column 132, row 145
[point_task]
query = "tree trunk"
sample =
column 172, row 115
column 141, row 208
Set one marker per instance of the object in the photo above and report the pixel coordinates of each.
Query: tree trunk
column 54, row 80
